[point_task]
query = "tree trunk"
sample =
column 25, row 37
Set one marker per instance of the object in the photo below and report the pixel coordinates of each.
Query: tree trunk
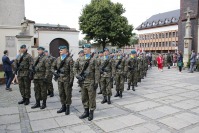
column 103, row 45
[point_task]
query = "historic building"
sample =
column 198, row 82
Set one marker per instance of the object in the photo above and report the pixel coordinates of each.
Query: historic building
column 159, row 33
column 16, row 30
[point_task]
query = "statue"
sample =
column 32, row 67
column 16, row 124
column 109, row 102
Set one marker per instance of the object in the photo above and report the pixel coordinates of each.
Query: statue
column 188, row 23
column 24, row 25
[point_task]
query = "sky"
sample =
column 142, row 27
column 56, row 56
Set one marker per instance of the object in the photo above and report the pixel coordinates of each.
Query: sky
column 67, row 12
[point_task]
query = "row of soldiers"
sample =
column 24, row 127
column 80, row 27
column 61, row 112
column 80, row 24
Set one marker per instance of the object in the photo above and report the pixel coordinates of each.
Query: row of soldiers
column 91, row 70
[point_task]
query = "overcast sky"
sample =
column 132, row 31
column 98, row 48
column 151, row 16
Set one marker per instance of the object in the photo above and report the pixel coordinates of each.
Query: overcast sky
column 67, row 12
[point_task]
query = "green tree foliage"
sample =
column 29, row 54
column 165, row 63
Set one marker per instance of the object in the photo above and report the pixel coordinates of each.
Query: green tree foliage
column 102, row 21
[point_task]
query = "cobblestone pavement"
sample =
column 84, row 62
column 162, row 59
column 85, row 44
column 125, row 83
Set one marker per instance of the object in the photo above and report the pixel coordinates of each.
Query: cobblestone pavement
column 165, row 102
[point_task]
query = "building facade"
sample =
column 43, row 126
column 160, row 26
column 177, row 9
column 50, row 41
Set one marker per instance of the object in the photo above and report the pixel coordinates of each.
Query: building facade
column 159, row 33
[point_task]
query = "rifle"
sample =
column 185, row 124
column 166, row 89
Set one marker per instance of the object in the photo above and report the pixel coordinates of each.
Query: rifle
column 59, row 71
column 119, row 62
column 130, row 67
column 18, row 68
column 31, row 75
column 82, row 76
column 102, row 69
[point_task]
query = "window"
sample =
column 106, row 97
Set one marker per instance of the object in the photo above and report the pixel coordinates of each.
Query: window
column 156, row 44
column 160, row 35
column 162, row 44
column 157, row 36
column 169, row 34
column 159, row 44
column 174, row 34
column 166, row 35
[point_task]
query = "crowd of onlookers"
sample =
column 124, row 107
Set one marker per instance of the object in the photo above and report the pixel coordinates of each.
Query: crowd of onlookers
column 173, row 60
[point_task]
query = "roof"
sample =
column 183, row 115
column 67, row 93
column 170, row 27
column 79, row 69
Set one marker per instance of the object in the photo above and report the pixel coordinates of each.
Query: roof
column 54, row 27
column 161, row 19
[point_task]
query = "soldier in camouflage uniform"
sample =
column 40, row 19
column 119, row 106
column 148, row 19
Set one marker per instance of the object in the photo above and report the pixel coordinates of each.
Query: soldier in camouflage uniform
column 22, row 66
column 119, row 74
column 139, row 61
column 50, row 88
column 131, row 68
column 106, row 71
column 41, row 68
column 101, row 53
column 89, row 83
column 63, row 70
column 76, row 64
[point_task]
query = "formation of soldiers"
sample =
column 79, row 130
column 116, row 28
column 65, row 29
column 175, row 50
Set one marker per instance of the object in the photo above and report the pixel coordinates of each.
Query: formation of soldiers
column 100, row 70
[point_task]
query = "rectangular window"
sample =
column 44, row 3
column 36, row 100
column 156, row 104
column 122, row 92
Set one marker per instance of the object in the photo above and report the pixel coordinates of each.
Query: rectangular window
column 159, row 44
column 174, row 34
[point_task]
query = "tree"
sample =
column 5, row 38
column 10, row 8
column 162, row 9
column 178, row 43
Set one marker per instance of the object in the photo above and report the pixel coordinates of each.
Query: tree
column 102, row 22
column 134, row 39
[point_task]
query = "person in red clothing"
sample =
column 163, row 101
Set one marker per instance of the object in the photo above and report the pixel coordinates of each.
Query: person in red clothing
column 160, row 62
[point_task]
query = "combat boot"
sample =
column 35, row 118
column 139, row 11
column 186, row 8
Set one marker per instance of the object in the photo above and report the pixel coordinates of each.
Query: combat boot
column 136, row 85
column 120, row 94
column 128, row 87
column 117, row 94
column 62, row 109
column 133, row 88
column 85, row 114
column 52, row 94
column 43, row 104
column 100, row 92
column 49, row 93
column 109, row 100
column 90, row 117
column 104, row 100
column 22, row 101
column 67, row 110
column 37, row 105
column 27, row 101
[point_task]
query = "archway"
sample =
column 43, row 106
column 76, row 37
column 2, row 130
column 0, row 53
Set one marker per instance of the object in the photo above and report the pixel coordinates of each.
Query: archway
column 54, row 45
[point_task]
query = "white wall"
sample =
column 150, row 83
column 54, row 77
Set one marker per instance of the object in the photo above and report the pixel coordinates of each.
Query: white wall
column 159, row 29
column 45, row 38
column 8, row 31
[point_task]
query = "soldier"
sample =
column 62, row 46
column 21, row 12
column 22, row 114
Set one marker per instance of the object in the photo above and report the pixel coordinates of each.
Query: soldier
column 22, row 66
column 41, row 70
column 76, row 64
column 131, row 68
column 101, row 53
column 89, row 78
column 62, row 69
column 119, row 74
column 106, row 71
column 50, row 88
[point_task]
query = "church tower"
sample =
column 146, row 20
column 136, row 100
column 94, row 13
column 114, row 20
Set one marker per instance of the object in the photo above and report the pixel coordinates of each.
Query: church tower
column 12, row 12
column 194, row 5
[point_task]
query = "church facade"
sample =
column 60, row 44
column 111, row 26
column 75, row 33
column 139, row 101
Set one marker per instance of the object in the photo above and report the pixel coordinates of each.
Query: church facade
column 50, row 36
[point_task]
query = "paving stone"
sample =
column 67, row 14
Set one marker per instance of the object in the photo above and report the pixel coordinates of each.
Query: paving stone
column 175, row 122
column 153, row 114
column 142, row 106
column 129, row 100
column 195, row 110
column 188, row 104
column 68, row 131
column 188, row 117
column 156, row 95
column 43, row 124
column 80, row 128
column 9, row 119
column 68, row 120
column 193, row 130
column 39, row 115
column 190, row 94
column 125, row 131
column 13, row 127
column 170, row 99
column 9, row 110
column 130, row 120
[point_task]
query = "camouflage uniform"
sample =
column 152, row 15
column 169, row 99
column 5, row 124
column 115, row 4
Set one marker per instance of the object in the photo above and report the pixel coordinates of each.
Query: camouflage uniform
column 131, row 68
column 106, row 78
column 41, row 73
column 50, row 88
column 139, row 69
column 23, row 76
column 64, row 81
column 119, row 76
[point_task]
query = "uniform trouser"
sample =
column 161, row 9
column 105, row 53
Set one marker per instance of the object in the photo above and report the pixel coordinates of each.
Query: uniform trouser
column 40, row 89
column 24, row 86
column 65, row 93
column 50, row 84
column 106, row 85
column 132, row 78
column 138, row 75
column 88, row 93
column 9, row 77
column 119, row 79
column 192, row 64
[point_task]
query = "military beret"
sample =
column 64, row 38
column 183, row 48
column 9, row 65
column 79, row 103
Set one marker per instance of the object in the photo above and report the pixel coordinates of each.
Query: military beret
column 63, row 47
column 100, row 52
column 40, row 48
column 81, row 51
column 46, row 51
column 86, row 46
column 23, row 46
column 133, row 52
column 106, row 49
